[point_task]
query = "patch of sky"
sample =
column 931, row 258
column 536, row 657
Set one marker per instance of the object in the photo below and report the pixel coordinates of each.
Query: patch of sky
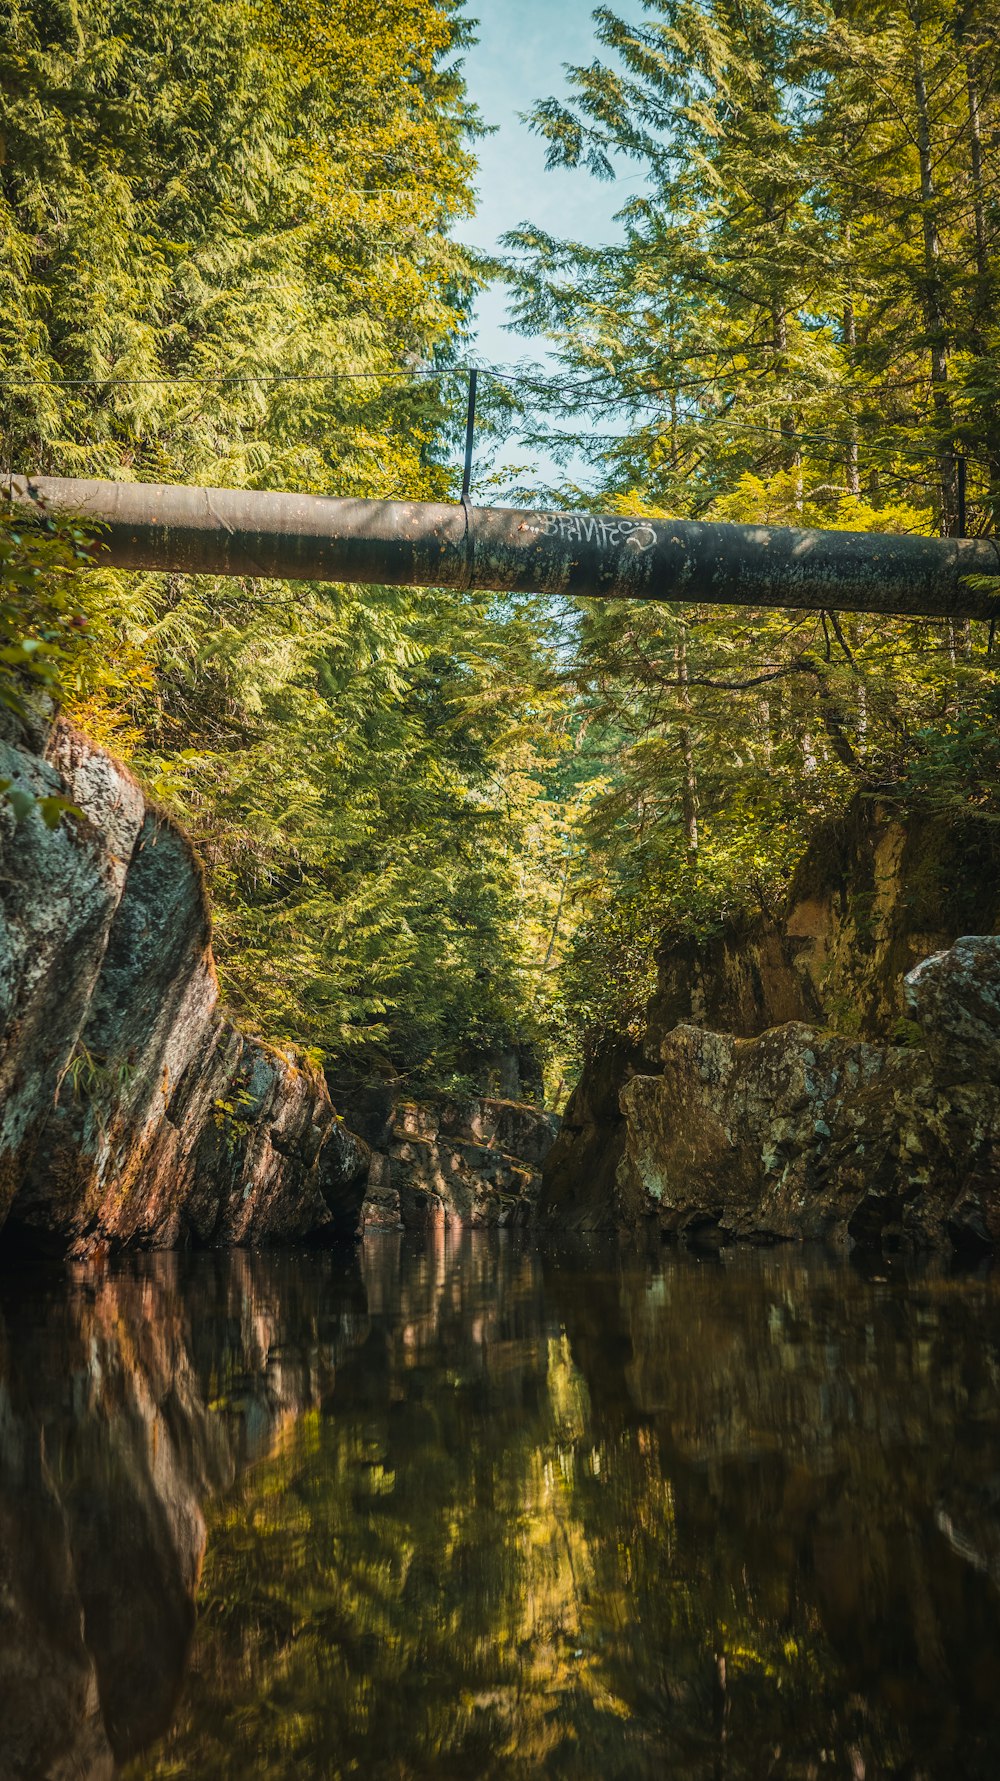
column 521, row 56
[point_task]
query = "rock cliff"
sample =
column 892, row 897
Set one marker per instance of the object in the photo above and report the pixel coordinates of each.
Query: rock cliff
column 473, row 1162
column 131, row 1110
column 876, row 893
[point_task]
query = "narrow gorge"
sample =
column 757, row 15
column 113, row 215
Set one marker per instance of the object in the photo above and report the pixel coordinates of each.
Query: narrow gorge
column 499, row 891
column 832, row 1074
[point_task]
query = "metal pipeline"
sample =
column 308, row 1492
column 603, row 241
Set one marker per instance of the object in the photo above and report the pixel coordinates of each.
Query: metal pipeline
column 288, row 537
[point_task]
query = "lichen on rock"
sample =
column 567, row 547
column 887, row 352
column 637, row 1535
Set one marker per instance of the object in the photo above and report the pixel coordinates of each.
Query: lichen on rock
column 133, row 1112
column 803, row 1134
column 878, row 889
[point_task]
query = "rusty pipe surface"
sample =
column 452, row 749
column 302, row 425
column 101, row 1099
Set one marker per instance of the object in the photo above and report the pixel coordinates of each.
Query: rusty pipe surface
column 249, row 532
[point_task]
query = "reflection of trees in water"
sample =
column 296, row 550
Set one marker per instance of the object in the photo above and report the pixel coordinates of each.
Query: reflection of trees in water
column 809, row 1428
column 402, row 1586
column 598, row 1523
column 472, row 1514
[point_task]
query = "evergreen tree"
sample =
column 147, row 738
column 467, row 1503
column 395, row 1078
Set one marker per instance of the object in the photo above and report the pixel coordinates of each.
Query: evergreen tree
column 229, row 257
column 795, row 329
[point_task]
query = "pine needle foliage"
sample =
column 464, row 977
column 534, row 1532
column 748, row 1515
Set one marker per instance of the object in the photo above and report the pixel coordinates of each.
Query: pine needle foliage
column 797, row 326
column 228, row 253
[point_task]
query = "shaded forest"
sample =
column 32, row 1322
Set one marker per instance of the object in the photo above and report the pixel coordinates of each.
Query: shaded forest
column 440, row 826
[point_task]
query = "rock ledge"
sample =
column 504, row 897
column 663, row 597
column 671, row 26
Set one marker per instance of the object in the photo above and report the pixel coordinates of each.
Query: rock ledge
column 803, row 1134
column 132, row 1112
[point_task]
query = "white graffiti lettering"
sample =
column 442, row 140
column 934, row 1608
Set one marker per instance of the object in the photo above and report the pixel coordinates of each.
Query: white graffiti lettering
column 574, row 528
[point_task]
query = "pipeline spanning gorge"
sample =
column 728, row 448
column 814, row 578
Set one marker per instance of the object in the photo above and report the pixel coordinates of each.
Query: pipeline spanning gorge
column 299, row 537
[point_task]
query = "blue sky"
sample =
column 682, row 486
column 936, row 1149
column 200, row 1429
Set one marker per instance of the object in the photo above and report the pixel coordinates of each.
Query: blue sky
column 523, row 46
column 519, row 58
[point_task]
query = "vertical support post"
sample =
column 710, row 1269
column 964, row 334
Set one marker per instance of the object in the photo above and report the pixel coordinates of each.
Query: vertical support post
column 469, row 430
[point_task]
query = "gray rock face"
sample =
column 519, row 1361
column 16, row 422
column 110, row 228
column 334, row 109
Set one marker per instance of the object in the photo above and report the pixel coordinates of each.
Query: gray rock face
column 131, row 1110
column 59, row 890
column 474, row 1163
column 877, row 890
column 802, row 1134
column 955, row 997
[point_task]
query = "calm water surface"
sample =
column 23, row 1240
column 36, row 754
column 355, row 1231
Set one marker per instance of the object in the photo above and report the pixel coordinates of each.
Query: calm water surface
column 475, row 1511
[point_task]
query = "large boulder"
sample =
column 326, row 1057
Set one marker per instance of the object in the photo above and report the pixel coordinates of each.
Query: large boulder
column 955, row 998
column 804, row 1134
column 133, row 1111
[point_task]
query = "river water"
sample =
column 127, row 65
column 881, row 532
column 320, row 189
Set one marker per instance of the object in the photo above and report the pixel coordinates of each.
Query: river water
column 475, row 1510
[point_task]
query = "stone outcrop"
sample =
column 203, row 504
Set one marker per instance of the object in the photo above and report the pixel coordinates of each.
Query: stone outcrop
column 876, row 892
column 579, row 1173
column 474, row 1162
column 131, row 1110
column 804, row 1134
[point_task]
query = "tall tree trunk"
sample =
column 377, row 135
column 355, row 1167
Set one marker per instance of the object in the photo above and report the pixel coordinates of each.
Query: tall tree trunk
column 556, row 922
column 851, row 464
column 850, row 343
column 689, row 794
column 978, row 198
column 983, row 301
column 792, row 454
column 934, row 314
column 968, row 49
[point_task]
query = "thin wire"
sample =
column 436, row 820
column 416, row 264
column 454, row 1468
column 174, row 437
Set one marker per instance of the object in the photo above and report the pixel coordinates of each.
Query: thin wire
column 23, row 377
column 401, row 377
column 214, row 377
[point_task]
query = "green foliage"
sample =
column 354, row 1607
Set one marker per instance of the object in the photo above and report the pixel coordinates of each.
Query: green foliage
column 794, row 329
column 228, row 256
column 436, row 825
column 231, row 1116
column 42, row 617
column 42, row 605
column 955, row 766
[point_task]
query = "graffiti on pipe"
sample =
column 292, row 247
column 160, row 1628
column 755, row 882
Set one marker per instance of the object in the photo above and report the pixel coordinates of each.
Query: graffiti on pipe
column 588, row 528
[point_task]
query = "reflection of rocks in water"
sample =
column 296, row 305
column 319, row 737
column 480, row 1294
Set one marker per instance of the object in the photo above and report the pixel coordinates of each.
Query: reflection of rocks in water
column 49, row 1707
column 127, row 1400
column 969, row 1519
column 830, row 1452
column 108, row 1454
column 471, row 1514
